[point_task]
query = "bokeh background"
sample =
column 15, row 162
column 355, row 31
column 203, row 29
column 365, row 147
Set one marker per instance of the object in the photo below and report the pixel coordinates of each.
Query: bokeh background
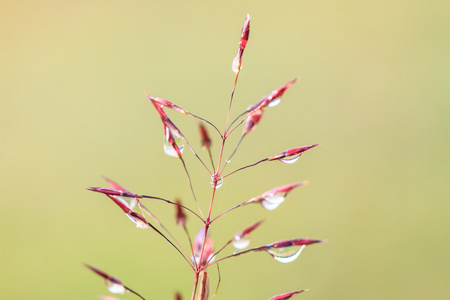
column 373, row 90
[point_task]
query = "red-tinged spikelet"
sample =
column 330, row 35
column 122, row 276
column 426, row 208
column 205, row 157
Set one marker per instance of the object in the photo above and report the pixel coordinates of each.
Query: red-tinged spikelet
column 237, row 62
column 286, row 295
column 180, row 215
column 206, row 140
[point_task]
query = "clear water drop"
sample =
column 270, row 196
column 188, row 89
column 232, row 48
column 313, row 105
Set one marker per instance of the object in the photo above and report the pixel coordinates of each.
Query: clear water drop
column 272, row 202
column 133, row 203
column 274, row 102
column 235, row 64
column 179, row 141
column 211, row 258
column 228, row 160
column 216, row 178
column 269, row 206
column 115, row 288
column 196, row 259
column 241, row 242
column 286, row 254
column 277, row 198
column 290, row 160
column 124, row 201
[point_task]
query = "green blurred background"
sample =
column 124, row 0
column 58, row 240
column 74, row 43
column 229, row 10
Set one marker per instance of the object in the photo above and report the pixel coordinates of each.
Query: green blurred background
column 373, row 90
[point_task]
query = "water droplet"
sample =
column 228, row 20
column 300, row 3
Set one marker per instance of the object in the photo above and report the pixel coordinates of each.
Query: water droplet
column 269, row 206
column 274, row 102
column 115, row 288
column 290, row 160
column 133, row 203
column 179, row 141
column 124, row 201
column 286, row 254
column 235, row 64
column 196, row 259
column 241, row 242
column 228, row 160
column 272, row 202
column 216, row 178
column 277, row 198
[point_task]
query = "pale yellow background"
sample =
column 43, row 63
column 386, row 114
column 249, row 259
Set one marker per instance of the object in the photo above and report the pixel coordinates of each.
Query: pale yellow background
column 373, row 90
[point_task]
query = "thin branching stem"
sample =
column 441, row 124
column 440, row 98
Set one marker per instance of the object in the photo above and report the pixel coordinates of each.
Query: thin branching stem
column 211, row 159
column 234, row 151
column 230, row 209
column 206, row 121
column 163, row 227
column 190, row 244
column 170, row 242
column 194, row 290
column 221, row 154
column 231, row 102
column 238, row 254
column 237, row 118
column 196, row 155
column 203, row 247
column 256, row 163
column 173, row 203
column 133, row 292
column 212, row 200
column 248, row 112
column 190, row 185
column 220, row 250
column 237, row 125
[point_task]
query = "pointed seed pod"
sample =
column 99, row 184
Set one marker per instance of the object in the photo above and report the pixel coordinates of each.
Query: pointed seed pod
column 252, row 120
column 276, row 94
column 272, row 99
column 115, row 185
column 291, row 155
column 113, row 284
column 286, row 295
column 180, row 215
column 237, row 62
column 241, row 239
column 112, row 192
column 293, row 242
column 137, row 219
column 206, row 141
column 164, row 103
column 178, row 296
column 173, row 143
column 274, row 197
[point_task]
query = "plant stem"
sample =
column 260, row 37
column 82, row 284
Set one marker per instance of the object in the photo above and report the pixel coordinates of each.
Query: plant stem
column 256, row 163
column 173, row 203
column 194, row 291
column 190, row 185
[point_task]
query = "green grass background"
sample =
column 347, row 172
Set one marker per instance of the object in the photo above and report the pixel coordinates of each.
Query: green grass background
column 373, row 90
